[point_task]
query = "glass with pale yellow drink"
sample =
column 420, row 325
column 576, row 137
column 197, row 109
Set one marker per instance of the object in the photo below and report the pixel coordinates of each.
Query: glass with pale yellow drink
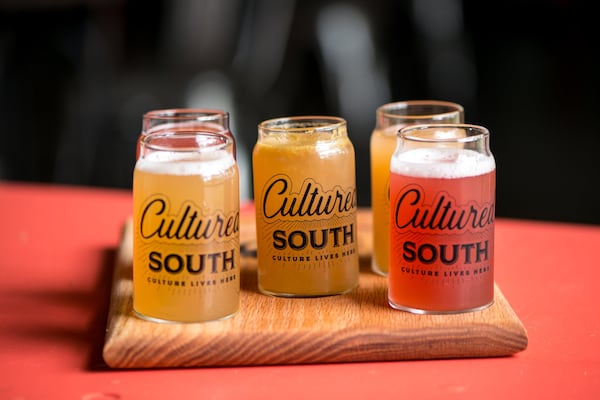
column 305, row 197
column 186, row 260
column 390, row 119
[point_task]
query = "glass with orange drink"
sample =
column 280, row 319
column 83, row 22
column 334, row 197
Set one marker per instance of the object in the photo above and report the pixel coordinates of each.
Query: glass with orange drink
column 305, row 197
column 390, row 119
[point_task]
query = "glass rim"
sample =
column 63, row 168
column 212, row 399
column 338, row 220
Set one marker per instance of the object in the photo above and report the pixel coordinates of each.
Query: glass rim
column 302, row 124
column 473, row 133
column 186, row 114
column 452, row 108
column 222, row 141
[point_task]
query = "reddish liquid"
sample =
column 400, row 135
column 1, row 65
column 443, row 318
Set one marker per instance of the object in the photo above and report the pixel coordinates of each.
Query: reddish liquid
column 441, row 243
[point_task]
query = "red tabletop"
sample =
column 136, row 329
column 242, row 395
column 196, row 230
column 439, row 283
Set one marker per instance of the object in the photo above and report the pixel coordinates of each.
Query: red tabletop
column 57, row 245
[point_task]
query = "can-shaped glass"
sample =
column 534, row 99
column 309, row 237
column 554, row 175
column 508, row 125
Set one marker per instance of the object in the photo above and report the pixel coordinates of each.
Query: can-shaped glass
column 442, row 197
column 186, row 223
column 185, row 120
column 390, row 118
column 305, row 197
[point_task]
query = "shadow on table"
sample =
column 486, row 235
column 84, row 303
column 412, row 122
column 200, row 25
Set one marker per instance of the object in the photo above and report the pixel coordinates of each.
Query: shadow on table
column 65, row 324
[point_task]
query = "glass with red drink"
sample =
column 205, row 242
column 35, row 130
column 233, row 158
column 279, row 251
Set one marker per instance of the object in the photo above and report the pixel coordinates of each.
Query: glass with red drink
column 442, row 209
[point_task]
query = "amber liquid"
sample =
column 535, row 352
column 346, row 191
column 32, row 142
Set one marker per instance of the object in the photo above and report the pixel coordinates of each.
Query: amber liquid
column 305, row 247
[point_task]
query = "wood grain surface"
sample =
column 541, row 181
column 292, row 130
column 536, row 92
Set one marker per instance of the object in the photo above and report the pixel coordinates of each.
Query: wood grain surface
column 358, row 326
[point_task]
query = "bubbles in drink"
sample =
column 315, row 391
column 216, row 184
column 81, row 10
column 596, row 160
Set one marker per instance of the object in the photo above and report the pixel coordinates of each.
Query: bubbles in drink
column 185, row 163
column 447, row 163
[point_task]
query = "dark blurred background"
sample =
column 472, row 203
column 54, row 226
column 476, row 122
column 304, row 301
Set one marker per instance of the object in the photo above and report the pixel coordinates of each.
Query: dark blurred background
column 76, row 77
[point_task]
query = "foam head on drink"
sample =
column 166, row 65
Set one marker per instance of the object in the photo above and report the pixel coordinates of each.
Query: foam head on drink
column 186, row 234
column 441, row 229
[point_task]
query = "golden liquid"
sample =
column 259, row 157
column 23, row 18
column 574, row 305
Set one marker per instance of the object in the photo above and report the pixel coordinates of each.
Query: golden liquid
column 289, row 264
column 169, row 283
column 383, row 144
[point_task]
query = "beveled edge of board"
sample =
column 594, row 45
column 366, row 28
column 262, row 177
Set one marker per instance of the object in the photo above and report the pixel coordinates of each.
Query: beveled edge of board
column 309, row 331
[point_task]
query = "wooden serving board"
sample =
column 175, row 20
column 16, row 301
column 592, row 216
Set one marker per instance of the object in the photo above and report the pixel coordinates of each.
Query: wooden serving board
column 358, row 326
